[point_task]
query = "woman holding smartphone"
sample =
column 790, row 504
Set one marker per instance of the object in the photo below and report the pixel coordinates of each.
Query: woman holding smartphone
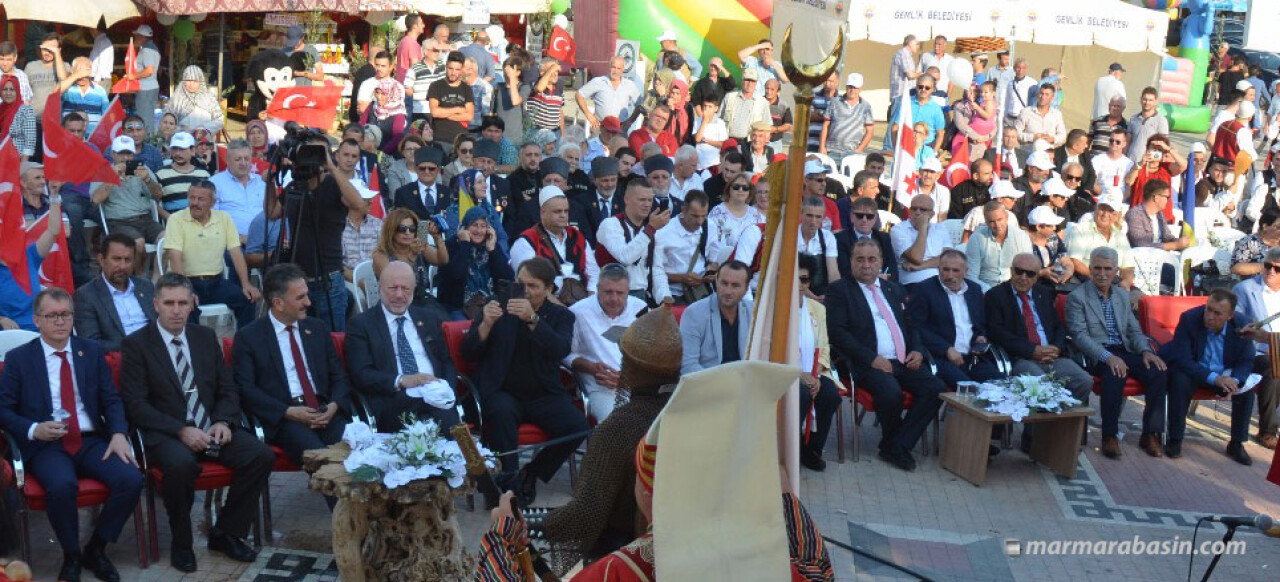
column 476, row 265
column 403, row 238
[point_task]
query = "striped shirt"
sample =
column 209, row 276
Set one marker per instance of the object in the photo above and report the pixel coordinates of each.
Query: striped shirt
column 23, row 130
column 91, row 102
column 544, row 110
column 358, row 242
column 174, row 185
column 817, row 112
column 1100, row 133
column 420, row 77
column 849, row 124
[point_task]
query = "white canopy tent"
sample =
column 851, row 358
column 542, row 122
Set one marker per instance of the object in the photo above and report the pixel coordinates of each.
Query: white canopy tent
column 1081, row 37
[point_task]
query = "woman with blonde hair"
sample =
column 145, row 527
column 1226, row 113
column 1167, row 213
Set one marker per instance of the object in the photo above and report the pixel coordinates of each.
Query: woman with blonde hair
column 399, row 241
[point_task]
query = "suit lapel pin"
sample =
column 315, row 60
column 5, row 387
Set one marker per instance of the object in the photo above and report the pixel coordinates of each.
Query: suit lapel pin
column 80, row 353
column 419, row 323
column 306, row 331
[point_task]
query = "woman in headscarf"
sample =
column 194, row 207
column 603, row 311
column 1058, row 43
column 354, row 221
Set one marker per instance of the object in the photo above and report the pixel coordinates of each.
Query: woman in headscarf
column 193, row 103
column 678, row 100
column 255, row 132
column 475, row 263
column 17, row 119
column 473, row 192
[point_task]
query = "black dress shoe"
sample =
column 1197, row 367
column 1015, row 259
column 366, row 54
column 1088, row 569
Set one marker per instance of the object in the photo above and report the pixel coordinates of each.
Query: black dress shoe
column 901, row 460
column 813, row 462
column 1173, row 449
column 992, row 451
column 70, row 571
column 96, row 561
column 182, row 560
column 526, row 487
column 233, row 547
column 1236, row 451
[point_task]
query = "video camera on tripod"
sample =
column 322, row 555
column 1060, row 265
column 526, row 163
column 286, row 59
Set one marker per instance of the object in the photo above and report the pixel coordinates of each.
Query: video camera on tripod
column 306, row 158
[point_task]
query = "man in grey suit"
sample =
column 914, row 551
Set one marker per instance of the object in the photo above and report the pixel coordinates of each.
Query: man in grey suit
column 1259, row 298
column 116, row 304
column 715, row 328
column 1104, row 329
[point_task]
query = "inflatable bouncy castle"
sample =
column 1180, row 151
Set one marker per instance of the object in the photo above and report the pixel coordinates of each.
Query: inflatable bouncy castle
column 710, row 28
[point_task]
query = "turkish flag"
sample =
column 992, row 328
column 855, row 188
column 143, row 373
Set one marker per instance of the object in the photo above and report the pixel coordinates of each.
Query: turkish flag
column 68, row 158
column 13, row 249
column 55, row 270
column 109, row 127
column 130, row 66
column 312, row 106
column 958, row 170
column 376, row 208
column 561, row 46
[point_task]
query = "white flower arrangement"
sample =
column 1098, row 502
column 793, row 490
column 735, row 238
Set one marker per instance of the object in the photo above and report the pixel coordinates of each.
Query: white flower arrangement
column 416, row 452
column 1020, row 396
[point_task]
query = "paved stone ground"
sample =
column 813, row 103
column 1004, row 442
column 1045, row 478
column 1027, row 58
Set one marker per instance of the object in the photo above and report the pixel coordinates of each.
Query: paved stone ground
column 929, row 520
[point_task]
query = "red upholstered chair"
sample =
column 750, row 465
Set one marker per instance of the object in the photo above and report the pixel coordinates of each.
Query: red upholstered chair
column 862, row 402
column 1159, row 315
column 678, row 311
column 31, row 496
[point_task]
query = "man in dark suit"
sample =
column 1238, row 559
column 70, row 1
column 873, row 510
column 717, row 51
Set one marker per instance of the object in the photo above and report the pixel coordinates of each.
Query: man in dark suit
column 396, row 347
column 519, row 347
column 603, row 200
column 1208, row 352
column 484, row 157
column 288, row 370
column 863, row 218
column 179, row 392
column 69, row 376
column 1076, row 150
column 949, row 313
column 424, row 196
column 866, row 324
column 116, row 304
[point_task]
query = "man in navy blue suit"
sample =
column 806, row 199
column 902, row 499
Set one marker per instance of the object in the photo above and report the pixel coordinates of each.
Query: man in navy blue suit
column 948, row 311
column 69, row 376
column 1208, row 352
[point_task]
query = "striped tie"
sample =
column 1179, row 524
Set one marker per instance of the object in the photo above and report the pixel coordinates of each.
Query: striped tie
column 408, row 365
column 195, row 411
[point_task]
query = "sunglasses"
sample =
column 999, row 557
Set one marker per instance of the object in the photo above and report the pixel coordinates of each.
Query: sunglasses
column 923, row 88
column 741, row 187
column 1272, row 267
column 426, row 168
column 1072, row 178
column 464, row 150
column 404, row 228
column 864, row 216
column 1024, row 273
column 805, row 278
column 134, row 126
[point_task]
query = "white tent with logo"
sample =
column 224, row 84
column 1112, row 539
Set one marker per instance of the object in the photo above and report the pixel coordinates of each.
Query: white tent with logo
column 1079, row 37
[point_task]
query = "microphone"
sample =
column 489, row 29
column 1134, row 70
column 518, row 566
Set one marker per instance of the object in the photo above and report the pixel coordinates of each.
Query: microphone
column 1261, row 521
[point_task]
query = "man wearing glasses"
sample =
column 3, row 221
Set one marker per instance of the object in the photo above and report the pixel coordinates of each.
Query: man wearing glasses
column 925, row 110
column 424, row 196
column 419, row 77
column 863, row 218
column 1259, row 298
column 919, row 242
column 1147, row 226
column 1111, row 167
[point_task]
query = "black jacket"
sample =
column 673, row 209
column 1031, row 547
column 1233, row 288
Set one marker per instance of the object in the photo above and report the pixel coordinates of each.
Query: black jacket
column 851, row 328
column 591, row 211
column 844, row 251
column 407, row 197
column 260, row 371
column 371, row 352
column 1006, row 327
column 153, row 396
column 931, row 313
column 552, row 340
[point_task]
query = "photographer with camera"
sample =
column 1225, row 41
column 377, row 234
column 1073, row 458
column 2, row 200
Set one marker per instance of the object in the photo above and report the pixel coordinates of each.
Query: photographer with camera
column 127, row 207
column 316, row 204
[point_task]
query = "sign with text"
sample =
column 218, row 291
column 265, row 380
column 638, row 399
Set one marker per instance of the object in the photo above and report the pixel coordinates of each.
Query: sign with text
column 475, row 11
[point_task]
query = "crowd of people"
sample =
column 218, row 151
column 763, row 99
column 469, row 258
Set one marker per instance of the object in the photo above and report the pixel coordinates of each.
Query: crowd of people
column 552, row 237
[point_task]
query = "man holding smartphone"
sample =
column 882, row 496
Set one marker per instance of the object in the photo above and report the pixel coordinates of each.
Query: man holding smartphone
column 127, row 207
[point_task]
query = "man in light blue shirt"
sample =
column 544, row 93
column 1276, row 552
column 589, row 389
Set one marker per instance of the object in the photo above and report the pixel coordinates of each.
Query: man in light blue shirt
column 924, row 109
column 763, row 63
column 240, row 190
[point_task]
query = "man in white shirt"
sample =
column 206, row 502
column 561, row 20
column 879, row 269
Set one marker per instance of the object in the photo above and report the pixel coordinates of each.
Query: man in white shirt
column 991, row 249
column 554, row 239
column 600, row 321
column 104, row 58
column 1042, row 121
column 929, row 186
column 918, row 242
column 610, row 95
column 940, row 59
column 686, row 242
column 1018, row 93
column 818, row 242
column 1105, row 230
column 241, row 191
column 1112, row 167
column 631, row 240
column 684, row 174
column 1108, row 87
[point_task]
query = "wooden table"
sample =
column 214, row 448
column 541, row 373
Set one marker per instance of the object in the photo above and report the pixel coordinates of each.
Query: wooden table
column 968, row 438
column 405, row 534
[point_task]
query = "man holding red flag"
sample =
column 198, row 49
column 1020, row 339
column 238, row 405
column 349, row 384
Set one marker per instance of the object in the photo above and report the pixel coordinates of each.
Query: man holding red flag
column 20, row 280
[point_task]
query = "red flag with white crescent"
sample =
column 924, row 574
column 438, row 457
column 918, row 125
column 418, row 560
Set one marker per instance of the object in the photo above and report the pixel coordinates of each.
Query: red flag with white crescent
column 130, row 66
column 13, row 249
column 67, row 158
column 55, row 269
column 561, row 46
column 957, row 171
column 312, row 106
column 110, row 126
column 376, row 208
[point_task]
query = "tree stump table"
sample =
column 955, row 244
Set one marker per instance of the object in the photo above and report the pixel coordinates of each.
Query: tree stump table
column 405, row 534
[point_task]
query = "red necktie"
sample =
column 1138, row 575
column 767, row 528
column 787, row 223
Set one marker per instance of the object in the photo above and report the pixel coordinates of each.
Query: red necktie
column 71, row 441
column 1030, row 319
column 299, row 366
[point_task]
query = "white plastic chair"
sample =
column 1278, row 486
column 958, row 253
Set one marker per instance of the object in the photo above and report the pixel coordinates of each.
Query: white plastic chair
column 844, row 180
column 356, row 295
column 366, row 282
column 852, row 164
column 955, row 226
column 12, row 338
column 826, row 161
column 149, row 247
column 1148, row 262
column 159, row 256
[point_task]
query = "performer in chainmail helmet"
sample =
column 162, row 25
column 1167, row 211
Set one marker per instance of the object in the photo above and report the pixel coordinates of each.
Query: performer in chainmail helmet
column 603, row 516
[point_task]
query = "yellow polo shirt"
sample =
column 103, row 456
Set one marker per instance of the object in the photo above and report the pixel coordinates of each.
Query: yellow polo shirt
column 203, row 246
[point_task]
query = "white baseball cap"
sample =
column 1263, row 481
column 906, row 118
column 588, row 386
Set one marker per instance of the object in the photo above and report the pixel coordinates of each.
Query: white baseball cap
column 667, row 35
column 854, row 80
column 1041, row 145
column 144, row 30
column 1040, row 160
column 931, row 164
column 1044, row 215
column 182, row 140
column 1199, row 147
column 123, row 143
column 1005, row 189
column 1243, row 85
column 812, row 167
column 549, row 192
column 1113, row 201
column 1056, row 187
